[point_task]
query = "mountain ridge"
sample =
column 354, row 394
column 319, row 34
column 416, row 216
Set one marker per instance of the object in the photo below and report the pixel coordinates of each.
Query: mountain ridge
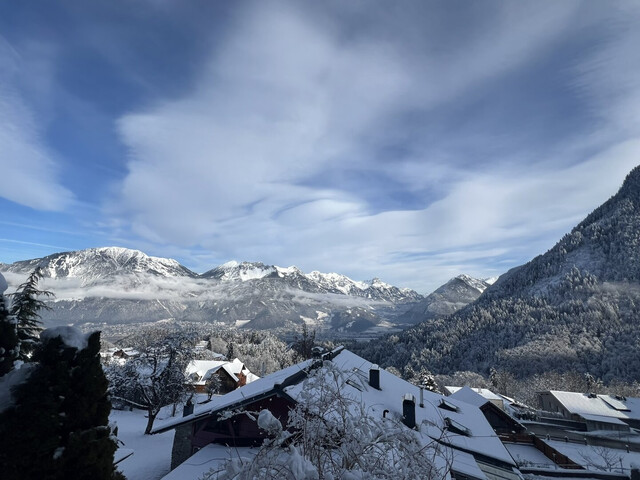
column 457, row 293
column 575, row 307
column 115, row 284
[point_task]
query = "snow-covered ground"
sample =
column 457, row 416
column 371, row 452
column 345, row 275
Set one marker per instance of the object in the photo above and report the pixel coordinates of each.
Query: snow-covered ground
column 151, row 459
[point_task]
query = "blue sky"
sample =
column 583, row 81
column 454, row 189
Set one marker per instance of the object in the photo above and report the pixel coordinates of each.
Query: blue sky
column 412, row 141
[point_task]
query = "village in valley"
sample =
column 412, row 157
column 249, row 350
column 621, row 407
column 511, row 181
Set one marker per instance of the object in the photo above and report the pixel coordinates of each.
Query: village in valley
column 463, row 431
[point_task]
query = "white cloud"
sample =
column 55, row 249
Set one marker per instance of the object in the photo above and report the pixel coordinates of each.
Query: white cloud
column 29, row 173
column 230, row 167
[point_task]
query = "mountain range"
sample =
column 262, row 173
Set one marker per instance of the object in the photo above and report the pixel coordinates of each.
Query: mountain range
column 119, row 285
column 576, row 307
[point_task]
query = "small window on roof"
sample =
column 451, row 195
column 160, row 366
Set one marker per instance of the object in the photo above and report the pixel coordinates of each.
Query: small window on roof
column 457, row 427
column 360, row 373
column 448, row 406
column 354, row 385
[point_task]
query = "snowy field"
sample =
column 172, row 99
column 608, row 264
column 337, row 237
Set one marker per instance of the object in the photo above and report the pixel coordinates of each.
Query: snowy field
column 151, row 459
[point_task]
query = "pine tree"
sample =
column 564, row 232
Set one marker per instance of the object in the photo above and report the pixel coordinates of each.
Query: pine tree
column 57, row 427
column 8, row 335
column 25, row 308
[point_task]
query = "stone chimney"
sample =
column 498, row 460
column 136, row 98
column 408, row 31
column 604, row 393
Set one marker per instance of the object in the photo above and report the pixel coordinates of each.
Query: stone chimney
column 374, row 377
column 409, row 410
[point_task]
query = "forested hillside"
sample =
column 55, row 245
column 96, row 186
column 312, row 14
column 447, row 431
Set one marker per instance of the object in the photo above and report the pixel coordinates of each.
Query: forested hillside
column 577, row 307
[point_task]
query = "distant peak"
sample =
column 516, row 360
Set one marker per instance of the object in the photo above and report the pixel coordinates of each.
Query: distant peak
column 229, row 264
column 288, row 270
column 115, row 250
column 478, row 284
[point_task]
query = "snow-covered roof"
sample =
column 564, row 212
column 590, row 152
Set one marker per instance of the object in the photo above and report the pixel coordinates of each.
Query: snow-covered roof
column 470, row 396
column 587, row 455
column 208, row 457
column 529, row 455
column 204, row 369
column 435, row 420
column 253, row 389
column 483, row 392
column 602, row 419
column 432, row 417
column 466, row 464
column 235, row 366
column 600, row 405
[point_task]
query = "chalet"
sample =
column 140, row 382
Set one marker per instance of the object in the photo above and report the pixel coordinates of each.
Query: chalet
column 493, row 409
column 593, row 412
column 119, row 354
column 230, row 375
column 474, row 450
column 497, row 400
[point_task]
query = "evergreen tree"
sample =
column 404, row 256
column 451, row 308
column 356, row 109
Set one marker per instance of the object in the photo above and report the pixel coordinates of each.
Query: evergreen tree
column 303, row 346
column 57, row 427
column 428, row 381
column 230, row 353
column 8, row 334
column 25, row 307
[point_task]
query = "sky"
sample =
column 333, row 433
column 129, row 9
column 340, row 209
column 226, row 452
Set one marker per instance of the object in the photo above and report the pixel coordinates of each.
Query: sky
column 411, row 141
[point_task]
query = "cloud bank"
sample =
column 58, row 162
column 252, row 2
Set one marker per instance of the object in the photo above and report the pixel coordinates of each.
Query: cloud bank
column 297, row 137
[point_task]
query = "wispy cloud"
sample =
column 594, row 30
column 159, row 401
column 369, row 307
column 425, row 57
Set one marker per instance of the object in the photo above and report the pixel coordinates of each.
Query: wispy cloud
column 288, row 97
column 29, row 173
column 412, row 142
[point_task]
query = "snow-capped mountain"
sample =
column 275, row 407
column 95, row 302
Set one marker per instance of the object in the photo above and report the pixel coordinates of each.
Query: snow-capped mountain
column 100, row 263
column 118, row 285
column 447, row 299
column 315, row 281
column 245, row 271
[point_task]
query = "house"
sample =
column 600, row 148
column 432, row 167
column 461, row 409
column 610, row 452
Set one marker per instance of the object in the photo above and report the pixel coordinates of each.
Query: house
column 459, row 428
column 493, row 408
column 497, row 400
column 230, row 375
column 593, row 412
column 119, row 354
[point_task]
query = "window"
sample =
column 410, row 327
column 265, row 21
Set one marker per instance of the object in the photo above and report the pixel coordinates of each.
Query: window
column 448, row 406
column 457, row 427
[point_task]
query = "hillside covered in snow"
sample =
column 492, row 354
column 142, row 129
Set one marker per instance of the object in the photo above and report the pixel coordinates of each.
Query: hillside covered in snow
column 576, row 307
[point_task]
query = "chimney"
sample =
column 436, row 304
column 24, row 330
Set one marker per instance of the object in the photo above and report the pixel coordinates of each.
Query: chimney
column 188, row 408
column 409, row 410
column 374, row 377
column 421, row 397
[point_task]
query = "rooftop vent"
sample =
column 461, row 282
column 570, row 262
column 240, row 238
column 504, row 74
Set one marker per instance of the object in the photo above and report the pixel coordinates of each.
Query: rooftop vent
column 188, row 408
column 374, row 377
column 409, row 410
